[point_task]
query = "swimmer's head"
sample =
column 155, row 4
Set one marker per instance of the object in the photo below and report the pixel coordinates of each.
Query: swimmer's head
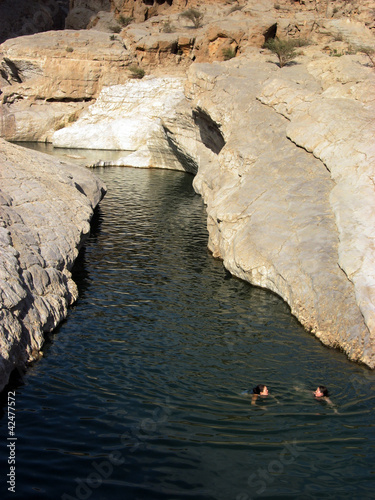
column 261, row 390
column 321, row 392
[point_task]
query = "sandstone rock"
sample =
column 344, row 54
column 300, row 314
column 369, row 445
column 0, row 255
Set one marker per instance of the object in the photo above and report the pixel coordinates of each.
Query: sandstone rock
column 82, row 13
column 48, row 79
column 29, row 121
column 141, row 10
column 45, row 211
column 154, row 48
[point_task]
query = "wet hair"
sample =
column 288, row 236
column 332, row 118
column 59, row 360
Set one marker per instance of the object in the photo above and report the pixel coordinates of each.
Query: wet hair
column 324, row 390
column 258, row 389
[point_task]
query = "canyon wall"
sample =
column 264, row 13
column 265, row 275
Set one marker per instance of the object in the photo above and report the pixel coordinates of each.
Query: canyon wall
column 45, row 210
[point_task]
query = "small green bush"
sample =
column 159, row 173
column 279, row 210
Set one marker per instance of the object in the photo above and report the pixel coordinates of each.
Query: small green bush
column 229, row 53
column 194, row 16
column 335, row 53
column 73, row 118
column 338, row 37
column 69, row 49
column 125, row 21
column 301, row 42
column 115, row 29
column 284, row 49
column 136, row 72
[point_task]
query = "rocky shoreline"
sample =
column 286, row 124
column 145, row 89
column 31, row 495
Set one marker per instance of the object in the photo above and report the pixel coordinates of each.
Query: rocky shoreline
column 284, row 158
column 45, row 210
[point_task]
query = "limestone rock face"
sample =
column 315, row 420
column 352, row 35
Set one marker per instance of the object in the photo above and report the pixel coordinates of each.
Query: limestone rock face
column 48, row 78
column 276, row 215
column 135, row 117
column 347, row 148
column 139, row 10
column 45, row 212
column 61, row 65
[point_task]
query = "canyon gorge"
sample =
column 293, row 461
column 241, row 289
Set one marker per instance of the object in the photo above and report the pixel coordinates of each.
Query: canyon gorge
column 282, row 155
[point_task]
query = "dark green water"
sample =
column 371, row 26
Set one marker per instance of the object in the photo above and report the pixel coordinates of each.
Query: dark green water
column 139, row 393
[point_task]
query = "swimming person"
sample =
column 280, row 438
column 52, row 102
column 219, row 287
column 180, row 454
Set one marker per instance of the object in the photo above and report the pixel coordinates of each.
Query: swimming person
column 322, row 394
column 259, row 390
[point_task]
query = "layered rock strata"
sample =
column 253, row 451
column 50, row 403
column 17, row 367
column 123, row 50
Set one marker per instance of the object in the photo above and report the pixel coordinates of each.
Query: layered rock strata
column 45, row 210
column 46, row 80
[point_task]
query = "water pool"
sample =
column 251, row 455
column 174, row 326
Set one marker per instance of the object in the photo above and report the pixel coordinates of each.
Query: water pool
column 139, row 394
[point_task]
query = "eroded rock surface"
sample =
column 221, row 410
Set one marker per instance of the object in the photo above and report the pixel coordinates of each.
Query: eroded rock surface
column 321, row 126
column 276, row 215
column 287, row 176
column 48, row 79
column 134, row 117
column 45, row 210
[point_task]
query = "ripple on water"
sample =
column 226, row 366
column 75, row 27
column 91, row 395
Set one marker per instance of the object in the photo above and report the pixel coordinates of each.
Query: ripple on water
column 153, row 362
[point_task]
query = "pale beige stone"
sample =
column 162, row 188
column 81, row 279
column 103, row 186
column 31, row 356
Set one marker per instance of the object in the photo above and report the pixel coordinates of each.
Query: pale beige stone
column 45, row 209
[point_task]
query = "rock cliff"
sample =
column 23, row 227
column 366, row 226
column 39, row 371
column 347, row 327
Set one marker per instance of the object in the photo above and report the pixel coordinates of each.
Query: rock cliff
column 45, row 210
column 300, row 224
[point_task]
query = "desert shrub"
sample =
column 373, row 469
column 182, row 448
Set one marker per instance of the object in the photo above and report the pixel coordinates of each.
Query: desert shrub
column 194, row 16
column 168, row 27
column 73, row 118
column 284, row 49
column 125, row 21
column 344, row 52
column 301, row 42
column 370, row 53
column 337, row 37
column 115, row 29
column 136, row 72
column 335, row 53
column 229, row 53
column 69, row 49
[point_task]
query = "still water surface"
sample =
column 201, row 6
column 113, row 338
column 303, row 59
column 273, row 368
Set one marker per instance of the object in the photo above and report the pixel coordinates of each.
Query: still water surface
column 139, row 395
